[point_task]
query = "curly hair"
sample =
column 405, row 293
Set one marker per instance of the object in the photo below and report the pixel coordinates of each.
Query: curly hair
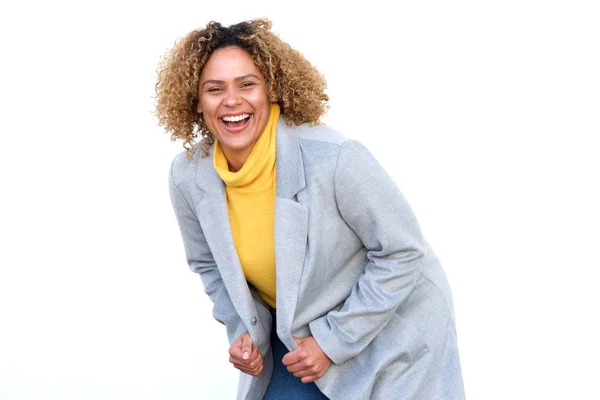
column 290, row 78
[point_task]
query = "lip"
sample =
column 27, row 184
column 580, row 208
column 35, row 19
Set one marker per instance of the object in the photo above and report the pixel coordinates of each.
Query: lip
column 237, row 129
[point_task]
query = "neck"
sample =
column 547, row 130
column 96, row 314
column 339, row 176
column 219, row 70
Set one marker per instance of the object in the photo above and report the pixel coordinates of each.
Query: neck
column 236, row 160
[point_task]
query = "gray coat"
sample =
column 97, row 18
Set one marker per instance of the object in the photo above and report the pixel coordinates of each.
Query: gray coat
column 352, row 270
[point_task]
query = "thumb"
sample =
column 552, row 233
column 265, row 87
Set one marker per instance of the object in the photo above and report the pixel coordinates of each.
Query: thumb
column 246, row 346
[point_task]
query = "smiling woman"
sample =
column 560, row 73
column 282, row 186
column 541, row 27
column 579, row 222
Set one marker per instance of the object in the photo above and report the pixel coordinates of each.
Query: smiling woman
column 309, row 252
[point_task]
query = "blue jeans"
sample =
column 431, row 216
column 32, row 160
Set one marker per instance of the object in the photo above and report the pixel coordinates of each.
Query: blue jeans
column 284, row 385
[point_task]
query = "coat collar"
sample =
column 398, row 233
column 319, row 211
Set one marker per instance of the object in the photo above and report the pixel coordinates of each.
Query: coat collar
column 290, row 169
column 291, row 231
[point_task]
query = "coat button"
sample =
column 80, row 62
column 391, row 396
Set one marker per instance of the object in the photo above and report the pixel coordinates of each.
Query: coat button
column 253, row 322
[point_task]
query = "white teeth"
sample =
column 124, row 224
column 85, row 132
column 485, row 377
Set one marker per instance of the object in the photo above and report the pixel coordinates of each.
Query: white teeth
column 235, row 118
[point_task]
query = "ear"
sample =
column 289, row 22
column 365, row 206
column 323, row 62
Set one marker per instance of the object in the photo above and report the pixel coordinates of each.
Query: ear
column 199, row 108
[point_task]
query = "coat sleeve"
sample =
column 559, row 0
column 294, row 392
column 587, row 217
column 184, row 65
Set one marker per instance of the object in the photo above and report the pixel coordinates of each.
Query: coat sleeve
column 200, row 260
column 373, row 207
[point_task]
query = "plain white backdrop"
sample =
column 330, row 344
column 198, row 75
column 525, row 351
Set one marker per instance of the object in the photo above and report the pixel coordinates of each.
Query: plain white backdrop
column 487, row 115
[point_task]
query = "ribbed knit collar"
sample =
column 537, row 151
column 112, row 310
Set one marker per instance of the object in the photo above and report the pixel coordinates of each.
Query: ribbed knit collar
column 257, row 171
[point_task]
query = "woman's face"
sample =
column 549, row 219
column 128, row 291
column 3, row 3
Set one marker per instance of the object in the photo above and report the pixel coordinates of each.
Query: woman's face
column 234, row 101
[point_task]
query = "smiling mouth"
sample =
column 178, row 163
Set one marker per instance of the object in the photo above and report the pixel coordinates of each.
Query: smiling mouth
column 234, row 121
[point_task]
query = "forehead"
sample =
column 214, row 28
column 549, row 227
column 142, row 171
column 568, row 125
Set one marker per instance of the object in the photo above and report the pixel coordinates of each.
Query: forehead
column 229, row 63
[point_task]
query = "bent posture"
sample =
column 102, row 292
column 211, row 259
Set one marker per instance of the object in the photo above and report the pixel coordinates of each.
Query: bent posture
column 311, row 255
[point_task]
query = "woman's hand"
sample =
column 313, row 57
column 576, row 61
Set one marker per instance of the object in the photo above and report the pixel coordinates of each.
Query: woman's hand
column 308, row 361
column 244, row 356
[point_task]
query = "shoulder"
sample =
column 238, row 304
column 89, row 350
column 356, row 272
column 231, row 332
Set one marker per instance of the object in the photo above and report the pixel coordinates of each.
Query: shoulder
column 185, row 170
column 181, row 168
column 320, row 139
column 325, row 140
column 320, row 134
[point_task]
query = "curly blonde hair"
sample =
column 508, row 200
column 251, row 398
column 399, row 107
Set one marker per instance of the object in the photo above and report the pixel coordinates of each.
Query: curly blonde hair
column 290, row 78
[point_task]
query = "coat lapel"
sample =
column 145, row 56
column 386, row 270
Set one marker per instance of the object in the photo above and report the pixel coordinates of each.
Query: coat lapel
column 214, row 218
column 291, row 229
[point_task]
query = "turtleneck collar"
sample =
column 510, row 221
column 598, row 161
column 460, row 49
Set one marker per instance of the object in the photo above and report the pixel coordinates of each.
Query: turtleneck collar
column 257, row 172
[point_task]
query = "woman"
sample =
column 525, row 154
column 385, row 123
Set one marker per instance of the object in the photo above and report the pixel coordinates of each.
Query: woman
column 312, row 257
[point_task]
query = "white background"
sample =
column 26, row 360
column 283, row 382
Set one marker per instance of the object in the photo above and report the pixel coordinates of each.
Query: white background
column 485, row 113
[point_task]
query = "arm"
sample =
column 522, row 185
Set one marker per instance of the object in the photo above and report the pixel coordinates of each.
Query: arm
column 200, row 260
column 371, row 204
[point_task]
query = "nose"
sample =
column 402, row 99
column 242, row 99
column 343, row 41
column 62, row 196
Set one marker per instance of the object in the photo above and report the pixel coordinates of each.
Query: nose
column 232, row 98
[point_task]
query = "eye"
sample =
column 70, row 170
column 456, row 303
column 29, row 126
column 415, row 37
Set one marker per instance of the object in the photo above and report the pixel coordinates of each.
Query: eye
column 214, row 89
column 248, row 84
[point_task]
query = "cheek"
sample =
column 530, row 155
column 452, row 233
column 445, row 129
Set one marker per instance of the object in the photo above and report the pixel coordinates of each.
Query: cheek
column 211, row 123
column 262, row 104
column 208, row 116
column 260, row 99
column 207, row 109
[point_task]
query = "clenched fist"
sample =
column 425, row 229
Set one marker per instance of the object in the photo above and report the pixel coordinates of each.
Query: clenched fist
column 245, row 357
column 308, row 361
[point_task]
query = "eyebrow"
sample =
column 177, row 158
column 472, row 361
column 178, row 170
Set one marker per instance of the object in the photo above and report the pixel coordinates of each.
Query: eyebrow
column 239, row 78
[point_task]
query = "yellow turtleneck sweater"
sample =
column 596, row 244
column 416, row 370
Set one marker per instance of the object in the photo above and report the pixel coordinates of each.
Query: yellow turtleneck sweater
column 251, row 205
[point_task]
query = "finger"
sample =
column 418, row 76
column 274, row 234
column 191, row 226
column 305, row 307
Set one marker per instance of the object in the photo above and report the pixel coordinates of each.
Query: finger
column 255, row 359
column 304, row 372
column 246, row 347
column 241, row 365
column 311, row 378
column 254, row 364
column 257, row 371
column 294, row 356
column 249, row 372
column 255, row 354
column 237, row 357
column 254, row 370
column 236, row 362
column 299, row 366
column 241, row 346
column 314, row 369
column 236, row 350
